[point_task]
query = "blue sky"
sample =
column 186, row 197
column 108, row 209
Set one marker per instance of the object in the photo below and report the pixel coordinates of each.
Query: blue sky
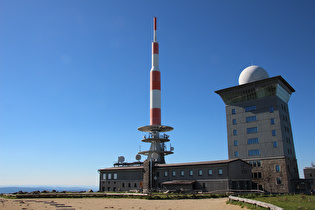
column 74, row 79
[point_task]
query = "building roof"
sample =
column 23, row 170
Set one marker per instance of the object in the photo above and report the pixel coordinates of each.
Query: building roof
column 175, row 165
column 122, row 168
column 199, row 163
column 271, row 79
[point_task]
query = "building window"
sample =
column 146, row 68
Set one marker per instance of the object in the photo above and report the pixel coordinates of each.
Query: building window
column 109, row 176
column 274, row 132
column 233, row 111
column 115, row 176
column 278, row 180
column 235, row 143
column 174, row 173
column 259, row 175
column 254, row 175
column 129, row 185
column 234, row 132
column 252, row 130
column 104, row 176
column 236, row 154
column 135, row 185
column 204, row 185
column 271, row 109
column 234, row 121
column 165, row 173
column 277, row 168
column 254, row 164
column 200, row 172
column 182, row 173
column 210, row 172
column 250, row 108
column 108, row 189
column 191, row 173
column 275, row 144
column 272, row 121
column 253, row 141
column 220, row 172
column 251, row 119
column 123, row 185
column 258, row 163
column 253, row 152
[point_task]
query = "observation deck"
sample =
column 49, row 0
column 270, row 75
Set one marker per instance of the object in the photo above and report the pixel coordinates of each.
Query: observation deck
column 157, row 137
column 159, row 128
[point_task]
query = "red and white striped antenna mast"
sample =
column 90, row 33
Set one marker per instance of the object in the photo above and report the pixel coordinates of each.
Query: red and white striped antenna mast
column 157, row 150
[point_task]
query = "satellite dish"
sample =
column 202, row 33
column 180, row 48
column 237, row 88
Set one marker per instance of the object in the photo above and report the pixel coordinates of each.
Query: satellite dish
column 172, row 148
column 138, row 157
column 155, row 155
column 121, row 159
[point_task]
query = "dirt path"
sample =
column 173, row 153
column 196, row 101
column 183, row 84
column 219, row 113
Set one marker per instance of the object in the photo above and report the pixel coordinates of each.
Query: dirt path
column 118, row 203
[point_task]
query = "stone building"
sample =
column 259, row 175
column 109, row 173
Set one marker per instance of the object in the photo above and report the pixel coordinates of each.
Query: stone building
column 259, row 129
column 309, row 173
column 206, row 176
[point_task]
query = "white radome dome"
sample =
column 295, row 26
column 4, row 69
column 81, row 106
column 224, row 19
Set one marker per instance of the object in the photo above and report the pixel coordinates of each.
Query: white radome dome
column 252, row 74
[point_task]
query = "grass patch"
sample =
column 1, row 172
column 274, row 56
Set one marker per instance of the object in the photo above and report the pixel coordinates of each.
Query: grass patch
column 244, row 205
column 287, row 202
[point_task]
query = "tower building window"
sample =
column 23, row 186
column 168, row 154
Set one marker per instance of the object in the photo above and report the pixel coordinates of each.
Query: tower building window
column 253, row 152
column 252, row 130
column 251, row 119
column 253, row 141
column 277, row 168
column 274, row 132
column 250, row 108
column 235, row 132
column 236, row 154
column 272, row 121
column 191, row 173
column 174, row 173
column 235, row 142
column 165, row 173
column 234, row 121
column 182, row 173
column 275, row 144
column 233, row 111
column 271, row 109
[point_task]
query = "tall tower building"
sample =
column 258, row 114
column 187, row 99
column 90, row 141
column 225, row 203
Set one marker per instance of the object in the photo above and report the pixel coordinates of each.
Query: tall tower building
column 158, row 149
column 259, row 128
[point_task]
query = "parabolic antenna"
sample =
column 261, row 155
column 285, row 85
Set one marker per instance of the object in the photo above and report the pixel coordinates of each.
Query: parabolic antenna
column 138, row 157
column 121, row 159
